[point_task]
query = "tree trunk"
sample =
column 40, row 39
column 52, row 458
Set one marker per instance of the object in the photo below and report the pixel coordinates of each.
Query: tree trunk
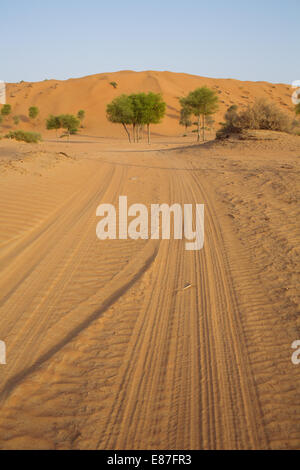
column 128, row 134
column 203, row 128
column 148, row 128
column 199, row 128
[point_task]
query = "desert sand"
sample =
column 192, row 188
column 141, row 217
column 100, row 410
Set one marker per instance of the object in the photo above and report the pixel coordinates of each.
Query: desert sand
column 124, row 344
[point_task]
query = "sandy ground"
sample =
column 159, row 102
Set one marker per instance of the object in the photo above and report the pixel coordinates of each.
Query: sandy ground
column 106, row 346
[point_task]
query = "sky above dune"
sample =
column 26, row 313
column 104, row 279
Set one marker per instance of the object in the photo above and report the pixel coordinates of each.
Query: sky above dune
column 246, row 40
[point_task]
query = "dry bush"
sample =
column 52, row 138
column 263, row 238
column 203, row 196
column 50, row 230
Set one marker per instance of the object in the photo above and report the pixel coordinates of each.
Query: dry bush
column 261, row 115
column 29, row 137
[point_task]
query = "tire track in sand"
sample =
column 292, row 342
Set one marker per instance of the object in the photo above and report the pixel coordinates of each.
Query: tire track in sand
column 184, row 375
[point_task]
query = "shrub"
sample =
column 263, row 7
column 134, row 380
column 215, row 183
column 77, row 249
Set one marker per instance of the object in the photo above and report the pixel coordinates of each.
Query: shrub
column 261, row 115
column 53, row 122
column 29, row 137
column 33, row 112
column 70, row 123
column 63, row 121
column 6, row 110
column 81, row 116
column 114, row 84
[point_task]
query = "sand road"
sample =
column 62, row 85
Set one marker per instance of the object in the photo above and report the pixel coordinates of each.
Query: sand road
column 126, row 344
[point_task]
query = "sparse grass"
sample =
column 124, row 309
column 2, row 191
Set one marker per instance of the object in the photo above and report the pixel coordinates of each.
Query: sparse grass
column 29, row 137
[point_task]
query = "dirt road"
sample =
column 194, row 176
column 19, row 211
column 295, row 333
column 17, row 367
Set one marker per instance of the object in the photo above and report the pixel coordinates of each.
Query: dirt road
column 126, row 344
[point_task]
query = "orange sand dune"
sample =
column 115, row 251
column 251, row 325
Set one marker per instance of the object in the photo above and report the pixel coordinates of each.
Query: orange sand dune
column 92, row 93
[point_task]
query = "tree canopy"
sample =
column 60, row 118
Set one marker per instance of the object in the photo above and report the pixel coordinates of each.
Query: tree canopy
column 69, row 122
column 185, row 117
column 81, row 116
column 64, row 121
column 138, row 110
column 201, row 102
column 53, row 122
column 120, row 111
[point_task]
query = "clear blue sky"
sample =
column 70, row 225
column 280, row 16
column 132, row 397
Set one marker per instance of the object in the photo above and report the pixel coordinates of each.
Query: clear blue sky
column 248, row 40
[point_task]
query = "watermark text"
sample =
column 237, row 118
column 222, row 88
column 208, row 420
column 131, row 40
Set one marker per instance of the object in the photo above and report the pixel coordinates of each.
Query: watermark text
column 159, row 226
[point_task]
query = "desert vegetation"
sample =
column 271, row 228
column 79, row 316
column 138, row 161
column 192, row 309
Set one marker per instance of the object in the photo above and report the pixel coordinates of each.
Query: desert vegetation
column 138, row 110
column 185, row 118
column 201, row 103
column 33, row 112
column 16, row 120
column 68, row 122
column 28, row 137
column 262, row 115
column 81, row 116
column 6, row 110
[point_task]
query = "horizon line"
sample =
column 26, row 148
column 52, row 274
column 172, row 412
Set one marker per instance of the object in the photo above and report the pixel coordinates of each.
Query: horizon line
column 145, row 71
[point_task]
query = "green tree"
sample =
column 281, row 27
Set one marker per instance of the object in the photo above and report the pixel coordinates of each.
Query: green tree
column 81, row 116
column 70, row 123
column 153, row 109
column 138, row 105
column 6, row 110
column 201, row 102
column 137, row 109
column 120, row 111
column 53, row 123
column 33, row 112
column 185, row 118
column 298, row 108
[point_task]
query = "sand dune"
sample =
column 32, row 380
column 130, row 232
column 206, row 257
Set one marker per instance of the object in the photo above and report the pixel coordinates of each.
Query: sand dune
column 106, row 346
column 93, row 93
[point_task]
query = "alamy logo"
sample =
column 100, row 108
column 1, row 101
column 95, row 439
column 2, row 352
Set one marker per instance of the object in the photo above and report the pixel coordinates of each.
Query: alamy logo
column 2, row 92
column 296, row 354
column 296, row 94
column 2, row 353
column 140, row 228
